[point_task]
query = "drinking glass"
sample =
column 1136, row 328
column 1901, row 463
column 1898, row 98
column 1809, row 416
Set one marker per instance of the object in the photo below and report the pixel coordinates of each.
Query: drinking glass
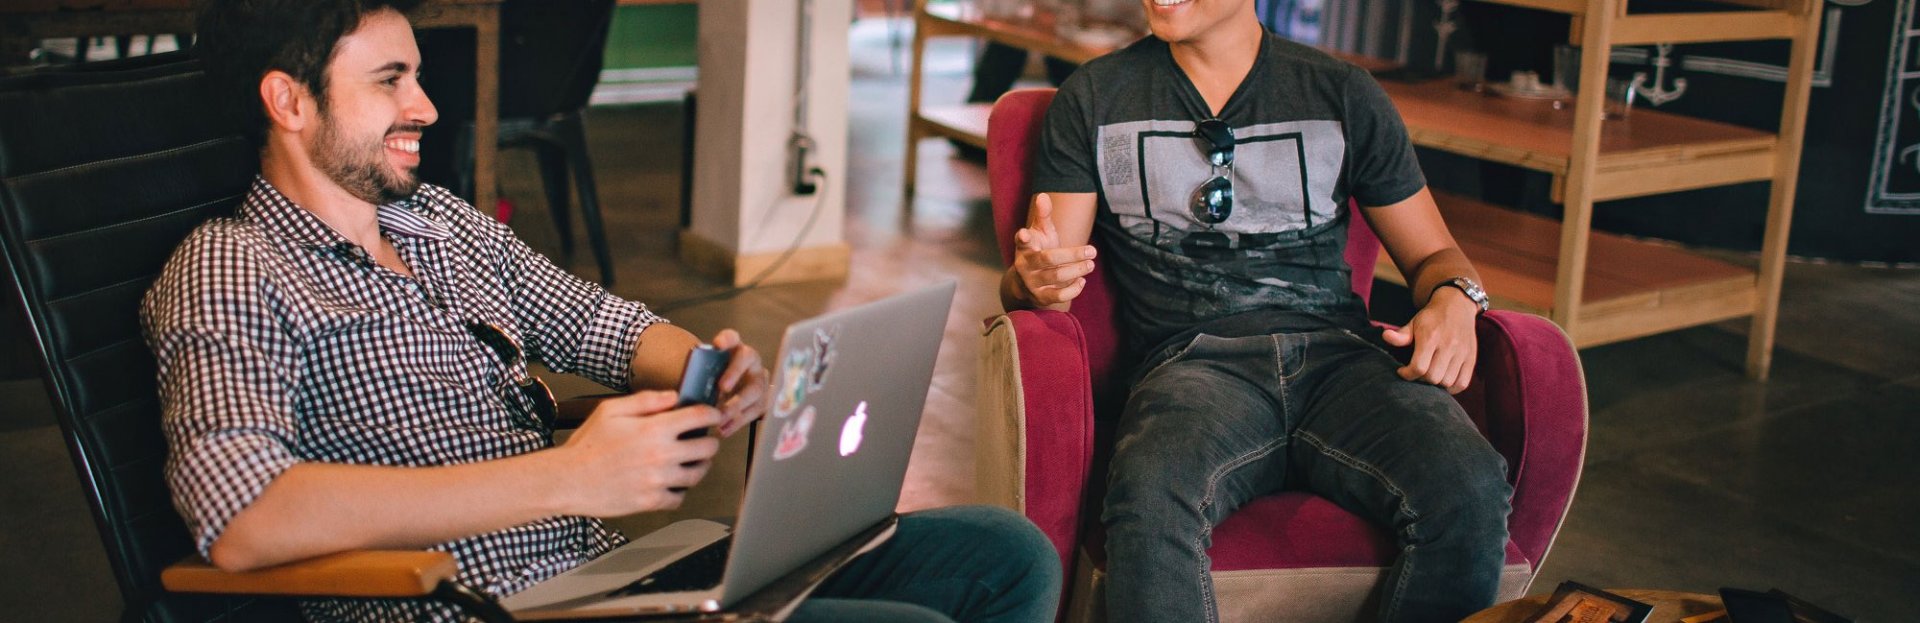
column 1469, row 69
column 1620, row 96
column 1566, row 68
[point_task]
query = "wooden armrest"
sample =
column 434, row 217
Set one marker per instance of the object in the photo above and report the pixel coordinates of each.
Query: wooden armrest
column 373, row 573
column 573, row 411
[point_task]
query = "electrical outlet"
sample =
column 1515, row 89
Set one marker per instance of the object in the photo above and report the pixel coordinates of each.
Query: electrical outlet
column 799, row 166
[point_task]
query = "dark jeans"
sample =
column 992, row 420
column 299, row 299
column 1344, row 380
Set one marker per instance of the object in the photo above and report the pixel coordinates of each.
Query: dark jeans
column 964, row 563
column 1228, row 420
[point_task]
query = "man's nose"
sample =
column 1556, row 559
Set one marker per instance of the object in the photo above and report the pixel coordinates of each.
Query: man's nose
column 420, row 109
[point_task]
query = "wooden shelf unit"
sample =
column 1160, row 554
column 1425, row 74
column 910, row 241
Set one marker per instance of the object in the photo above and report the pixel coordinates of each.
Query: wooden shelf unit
column 1598, row 287
column 1654, row 153
column 1593, row 159
column 968, row 123
column 1632, row 288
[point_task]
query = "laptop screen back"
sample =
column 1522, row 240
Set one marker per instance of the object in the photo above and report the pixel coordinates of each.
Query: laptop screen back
column 832, row 452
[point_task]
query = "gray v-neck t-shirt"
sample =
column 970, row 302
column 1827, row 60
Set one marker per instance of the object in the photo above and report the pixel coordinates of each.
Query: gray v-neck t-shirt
column 1311, row 133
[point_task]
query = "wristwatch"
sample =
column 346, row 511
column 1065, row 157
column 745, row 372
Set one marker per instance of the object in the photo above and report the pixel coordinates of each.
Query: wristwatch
column 1472, row 288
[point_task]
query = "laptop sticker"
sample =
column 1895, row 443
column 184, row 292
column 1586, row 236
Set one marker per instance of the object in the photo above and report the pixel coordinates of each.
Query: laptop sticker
column 854, row 430
column 793, row 435
column 793, row 382
column 823, row 357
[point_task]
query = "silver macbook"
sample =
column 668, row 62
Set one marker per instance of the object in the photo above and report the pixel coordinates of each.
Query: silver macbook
column 828, row 464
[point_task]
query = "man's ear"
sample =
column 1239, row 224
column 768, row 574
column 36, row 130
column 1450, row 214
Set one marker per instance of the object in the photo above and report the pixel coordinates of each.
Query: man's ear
column 289, row 105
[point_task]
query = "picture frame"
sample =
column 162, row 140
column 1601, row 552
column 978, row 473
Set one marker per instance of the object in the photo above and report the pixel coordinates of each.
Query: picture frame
column 1573, row 602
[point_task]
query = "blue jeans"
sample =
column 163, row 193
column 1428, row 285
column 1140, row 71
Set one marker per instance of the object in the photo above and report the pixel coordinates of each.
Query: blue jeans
column 965, row 563
column 1230, row 419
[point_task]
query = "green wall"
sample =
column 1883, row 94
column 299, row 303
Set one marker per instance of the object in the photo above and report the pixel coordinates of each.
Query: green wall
column 646, row 37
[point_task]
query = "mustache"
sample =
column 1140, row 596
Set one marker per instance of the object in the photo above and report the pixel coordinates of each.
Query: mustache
column 406, row 128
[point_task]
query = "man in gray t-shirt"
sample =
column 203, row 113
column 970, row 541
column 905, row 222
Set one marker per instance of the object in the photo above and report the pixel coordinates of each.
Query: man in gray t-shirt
column 1310, row 132
column 1217, row 163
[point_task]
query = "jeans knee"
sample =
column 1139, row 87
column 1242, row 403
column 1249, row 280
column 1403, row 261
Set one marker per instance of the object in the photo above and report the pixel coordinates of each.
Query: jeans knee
column 1150, row 504
column 1018, row 545
column 1474, row 499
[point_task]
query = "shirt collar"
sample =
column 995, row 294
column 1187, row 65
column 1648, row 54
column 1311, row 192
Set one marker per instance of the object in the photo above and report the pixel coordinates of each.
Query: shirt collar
column 279, row 215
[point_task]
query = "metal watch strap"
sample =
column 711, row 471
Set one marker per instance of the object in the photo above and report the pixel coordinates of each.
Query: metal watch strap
column 1468, row 287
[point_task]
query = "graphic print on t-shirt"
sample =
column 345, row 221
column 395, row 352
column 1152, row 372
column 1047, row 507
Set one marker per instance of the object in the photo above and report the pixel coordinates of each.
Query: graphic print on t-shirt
column 1284, row 177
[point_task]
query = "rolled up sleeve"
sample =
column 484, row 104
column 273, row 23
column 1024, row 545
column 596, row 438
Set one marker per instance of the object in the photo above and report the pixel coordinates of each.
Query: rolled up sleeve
column 571, row 325
column 228, row 416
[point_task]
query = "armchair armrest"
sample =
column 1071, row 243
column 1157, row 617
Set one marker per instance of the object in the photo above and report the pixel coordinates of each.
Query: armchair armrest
column 1531, row 396
column 572, row 412
column 1034, row 446
column 377, row 573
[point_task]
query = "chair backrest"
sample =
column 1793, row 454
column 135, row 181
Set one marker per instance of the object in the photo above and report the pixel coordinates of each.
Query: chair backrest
column 551, row 53
column 102, row 173
column 1013, row 136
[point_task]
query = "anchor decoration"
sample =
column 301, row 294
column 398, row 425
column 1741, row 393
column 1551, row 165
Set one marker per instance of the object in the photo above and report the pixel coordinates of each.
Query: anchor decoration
column 1658, row 93
column 1911, row 150
column 1445, row 28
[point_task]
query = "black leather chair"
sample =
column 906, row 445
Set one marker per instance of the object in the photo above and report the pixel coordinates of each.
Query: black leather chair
column 103, row 170
column 551, row 53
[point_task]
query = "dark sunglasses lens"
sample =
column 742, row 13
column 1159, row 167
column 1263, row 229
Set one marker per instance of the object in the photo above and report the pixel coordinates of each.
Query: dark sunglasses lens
column 1213, row 201
column 1219, row 138
column 542, row 398
column 495, row 340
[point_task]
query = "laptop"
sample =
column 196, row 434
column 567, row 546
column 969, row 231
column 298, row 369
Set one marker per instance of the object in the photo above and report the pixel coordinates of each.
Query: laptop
column 828, row 464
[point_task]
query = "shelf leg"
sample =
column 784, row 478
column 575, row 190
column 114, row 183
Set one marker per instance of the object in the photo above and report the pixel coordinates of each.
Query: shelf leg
column 912, row 155
column 1577, row 223
column 1773, row 247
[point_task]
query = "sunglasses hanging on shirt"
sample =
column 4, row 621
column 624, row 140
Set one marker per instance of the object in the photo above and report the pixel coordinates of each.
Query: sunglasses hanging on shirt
column 530, row 386
column 1212, row 202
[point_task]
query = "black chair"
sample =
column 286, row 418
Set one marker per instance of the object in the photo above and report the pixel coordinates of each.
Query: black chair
column 551, row 53
column 103, row 170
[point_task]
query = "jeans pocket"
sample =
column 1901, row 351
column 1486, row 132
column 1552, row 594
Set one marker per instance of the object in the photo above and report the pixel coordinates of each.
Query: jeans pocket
column 1151, row 366
column 1357, row 337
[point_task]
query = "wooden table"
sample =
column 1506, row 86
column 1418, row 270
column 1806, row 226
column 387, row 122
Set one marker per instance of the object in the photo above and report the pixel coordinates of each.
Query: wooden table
column 967, row 123
column 1668, row 606
column 49, row 19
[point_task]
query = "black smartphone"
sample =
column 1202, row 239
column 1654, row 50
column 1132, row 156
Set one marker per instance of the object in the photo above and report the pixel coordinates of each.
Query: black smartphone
column 1745, row 606
column 700, row 384
column 1806, row 612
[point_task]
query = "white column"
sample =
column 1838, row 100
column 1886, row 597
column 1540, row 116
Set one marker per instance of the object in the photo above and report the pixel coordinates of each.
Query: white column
column 745, row 212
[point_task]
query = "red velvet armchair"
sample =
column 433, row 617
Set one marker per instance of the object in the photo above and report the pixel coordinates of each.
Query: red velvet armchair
column 1290, row 556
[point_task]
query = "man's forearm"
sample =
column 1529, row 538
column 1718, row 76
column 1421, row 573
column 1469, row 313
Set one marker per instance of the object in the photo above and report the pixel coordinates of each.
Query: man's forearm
column 660, row 357
column 1436, row 269
column 322, row 508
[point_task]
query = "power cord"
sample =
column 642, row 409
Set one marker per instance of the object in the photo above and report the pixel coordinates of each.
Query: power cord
column 819, row 177
column 804, row 180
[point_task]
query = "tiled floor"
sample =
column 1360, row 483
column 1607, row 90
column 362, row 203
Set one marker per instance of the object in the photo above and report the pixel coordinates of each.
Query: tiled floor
column 1696, row 478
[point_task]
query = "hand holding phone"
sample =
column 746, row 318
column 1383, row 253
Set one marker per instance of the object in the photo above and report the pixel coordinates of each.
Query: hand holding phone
column 699, row 385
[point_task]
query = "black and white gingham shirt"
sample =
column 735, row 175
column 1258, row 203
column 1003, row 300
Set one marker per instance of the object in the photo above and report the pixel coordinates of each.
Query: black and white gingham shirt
column 279, row 341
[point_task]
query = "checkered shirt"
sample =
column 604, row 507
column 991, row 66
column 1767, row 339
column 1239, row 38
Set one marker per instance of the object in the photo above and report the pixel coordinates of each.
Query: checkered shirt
column 279, row 341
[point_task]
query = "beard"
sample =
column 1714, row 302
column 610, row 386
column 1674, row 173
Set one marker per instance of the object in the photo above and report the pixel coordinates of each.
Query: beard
column 361, row 167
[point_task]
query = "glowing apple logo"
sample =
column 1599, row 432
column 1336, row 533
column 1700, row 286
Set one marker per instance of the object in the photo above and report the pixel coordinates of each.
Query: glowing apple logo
column 850, row 434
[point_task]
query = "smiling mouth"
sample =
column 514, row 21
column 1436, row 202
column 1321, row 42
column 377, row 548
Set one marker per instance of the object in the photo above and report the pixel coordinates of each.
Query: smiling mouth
column 1170, row 2
column 404, row 145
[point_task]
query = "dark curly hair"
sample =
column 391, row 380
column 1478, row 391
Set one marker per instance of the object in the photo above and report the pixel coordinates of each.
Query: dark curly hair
column 241, row 40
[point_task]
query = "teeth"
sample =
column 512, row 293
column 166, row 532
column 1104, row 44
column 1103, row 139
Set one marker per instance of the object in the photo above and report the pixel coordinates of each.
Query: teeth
column 1170, row 2
column 406, row 145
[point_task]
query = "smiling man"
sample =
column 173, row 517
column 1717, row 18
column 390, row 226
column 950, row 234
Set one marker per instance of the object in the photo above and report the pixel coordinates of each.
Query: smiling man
column 344, row 363
column 1217, row 162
